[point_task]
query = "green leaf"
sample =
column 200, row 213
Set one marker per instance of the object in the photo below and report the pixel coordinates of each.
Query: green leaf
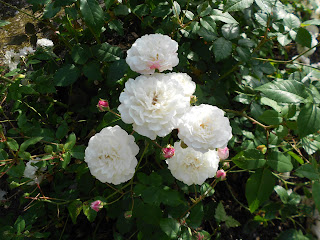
column 196, row 215
column 222, row 16
column 71, row 141
column 259, row 187
column 62, row 130
column 311, row 22
column 220, row 214
column 296, row 157
column 279, row 162
column 271, row 117
column 171, row 227
column 74, row 209
column 107, row 53
column 291, row 21
column 141, row 10
column 285, row 91
column 209, row 24
column 79, row 54
column 117, row 26
column 66, row 159
column 12, row 144
column 237, row 5
column 316, row 194
column 230, row 31
column 17, row 171
column 303, row 37
column 19, row 225
column 265, row 5
column 244, row 53
column 66, row 75
column 3, row 154
column 50, row 10
column 308, row 171
column 283, row 39
column 121, row 10
column 249, row 159
column 78, row 152
column 308, row 120
column 89, row 212
column 283, row 194
column 92, row 71
column 116, row 71
column 4, row 23
column 292, row 234
column 206, row 189
column 222, row 49
column 92, row 14
column 231, row 222
column 29, row 142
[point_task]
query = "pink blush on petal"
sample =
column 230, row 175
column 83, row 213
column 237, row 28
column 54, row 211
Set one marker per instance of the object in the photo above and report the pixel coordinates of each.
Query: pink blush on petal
column 155, row 65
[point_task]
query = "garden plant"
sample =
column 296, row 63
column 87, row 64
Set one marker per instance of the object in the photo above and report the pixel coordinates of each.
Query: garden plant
column 162, row 119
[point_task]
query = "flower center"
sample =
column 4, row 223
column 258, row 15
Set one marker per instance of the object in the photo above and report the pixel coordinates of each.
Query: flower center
column 155, row 99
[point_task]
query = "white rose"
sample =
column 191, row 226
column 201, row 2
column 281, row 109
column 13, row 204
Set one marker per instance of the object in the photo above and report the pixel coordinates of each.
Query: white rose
column 154, row 51
column 191, row 166
column 185, row 81
column 33, row 172
column 154, row 104
column 43, row 42
column 204, row 127
column 11, row 59
column 110, row 155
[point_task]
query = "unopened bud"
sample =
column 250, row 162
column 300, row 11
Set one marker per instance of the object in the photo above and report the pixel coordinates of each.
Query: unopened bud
column 221, row 174
column 193, row 99
column 226, row 165
column 103, row 105
column 96, row 205
column 128, row 214
column 223, row 153
column 168, row 151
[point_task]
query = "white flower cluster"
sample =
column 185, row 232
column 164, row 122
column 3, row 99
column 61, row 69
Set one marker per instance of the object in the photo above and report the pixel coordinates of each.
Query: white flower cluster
column 12, row 59
column 110, row 155
column 158, row 103
column 155, row 104
column 33, row 172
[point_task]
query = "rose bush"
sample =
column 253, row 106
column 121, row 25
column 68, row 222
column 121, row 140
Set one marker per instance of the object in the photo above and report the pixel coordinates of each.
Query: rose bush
column 232, row 85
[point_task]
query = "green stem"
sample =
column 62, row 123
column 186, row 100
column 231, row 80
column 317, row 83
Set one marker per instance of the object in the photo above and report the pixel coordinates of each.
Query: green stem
column 240, row 203
column 288, row 61
column 6, row 79
column 15, row 8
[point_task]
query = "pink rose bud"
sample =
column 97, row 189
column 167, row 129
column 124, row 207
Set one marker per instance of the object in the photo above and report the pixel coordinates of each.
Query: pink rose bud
column 226, row 165
column 103, row 105
column 223, row 153
column 168, row 152
column 128, row 214
column 221, row 174
column 96, row 205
